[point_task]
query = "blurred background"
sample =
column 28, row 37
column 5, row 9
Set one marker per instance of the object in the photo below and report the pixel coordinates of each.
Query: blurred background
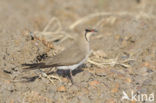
column 123, row 58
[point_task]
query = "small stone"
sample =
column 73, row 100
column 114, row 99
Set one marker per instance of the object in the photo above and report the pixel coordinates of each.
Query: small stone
column 61, row 89
column 115, row 89
column 94, row 83
column 110, row 100
column 129, row 80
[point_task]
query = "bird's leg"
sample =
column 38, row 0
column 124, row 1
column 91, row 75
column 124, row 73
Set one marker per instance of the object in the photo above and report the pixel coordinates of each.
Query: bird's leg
column 71, row 76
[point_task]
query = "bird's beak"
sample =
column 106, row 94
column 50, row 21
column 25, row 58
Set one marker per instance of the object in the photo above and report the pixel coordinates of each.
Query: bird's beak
column 94, row 30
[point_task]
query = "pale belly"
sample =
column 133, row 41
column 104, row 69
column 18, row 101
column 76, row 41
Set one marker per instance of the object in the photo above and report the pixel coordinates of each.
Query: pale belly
column 72, row 67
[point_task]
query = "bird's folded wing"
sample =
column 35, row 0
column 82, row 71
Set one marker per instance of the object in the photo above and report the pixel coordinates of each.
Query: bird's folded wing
column 68, row 57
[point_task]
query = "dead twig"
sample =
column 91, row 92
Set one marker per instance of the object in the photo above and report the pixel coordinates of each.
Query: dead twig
column 87, row 18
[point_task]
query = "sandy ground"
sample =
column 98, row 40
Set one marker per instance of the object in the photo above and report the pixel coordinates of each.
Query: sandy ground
column 123, row 58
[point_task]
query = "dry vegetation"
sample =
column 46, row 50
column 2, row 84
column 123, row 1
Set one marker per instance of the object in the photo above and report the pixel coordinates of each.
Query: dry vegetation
column 123, row 54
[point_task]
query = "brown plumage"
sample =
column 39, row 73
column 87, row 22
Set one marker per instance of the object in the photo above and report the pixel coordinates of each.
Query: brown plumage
column 70, row 58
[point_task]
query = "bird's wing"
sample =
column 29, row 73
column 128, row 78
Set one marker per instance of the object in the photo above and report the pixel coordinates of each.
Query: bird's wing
column 69, row 56
column 36, row 66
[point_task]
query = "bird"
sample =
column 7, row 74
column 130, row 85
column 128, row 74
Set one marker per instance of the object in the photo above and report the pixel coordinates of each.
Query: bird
column 71, row 57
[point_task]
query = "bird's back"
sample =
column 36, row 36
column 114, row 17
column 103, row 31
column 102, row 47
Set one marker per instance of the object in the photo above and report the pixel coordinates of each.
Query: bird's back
column 70, row 56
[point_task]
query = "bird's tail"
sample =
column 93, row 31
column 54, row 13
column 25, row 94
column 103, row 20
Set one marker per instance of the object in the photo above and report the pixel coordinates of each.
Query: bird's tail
column 35, row 66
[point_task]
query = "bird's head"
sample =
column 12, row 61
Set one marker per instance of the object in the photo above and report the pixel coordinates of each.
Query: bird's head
column 88, row 33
